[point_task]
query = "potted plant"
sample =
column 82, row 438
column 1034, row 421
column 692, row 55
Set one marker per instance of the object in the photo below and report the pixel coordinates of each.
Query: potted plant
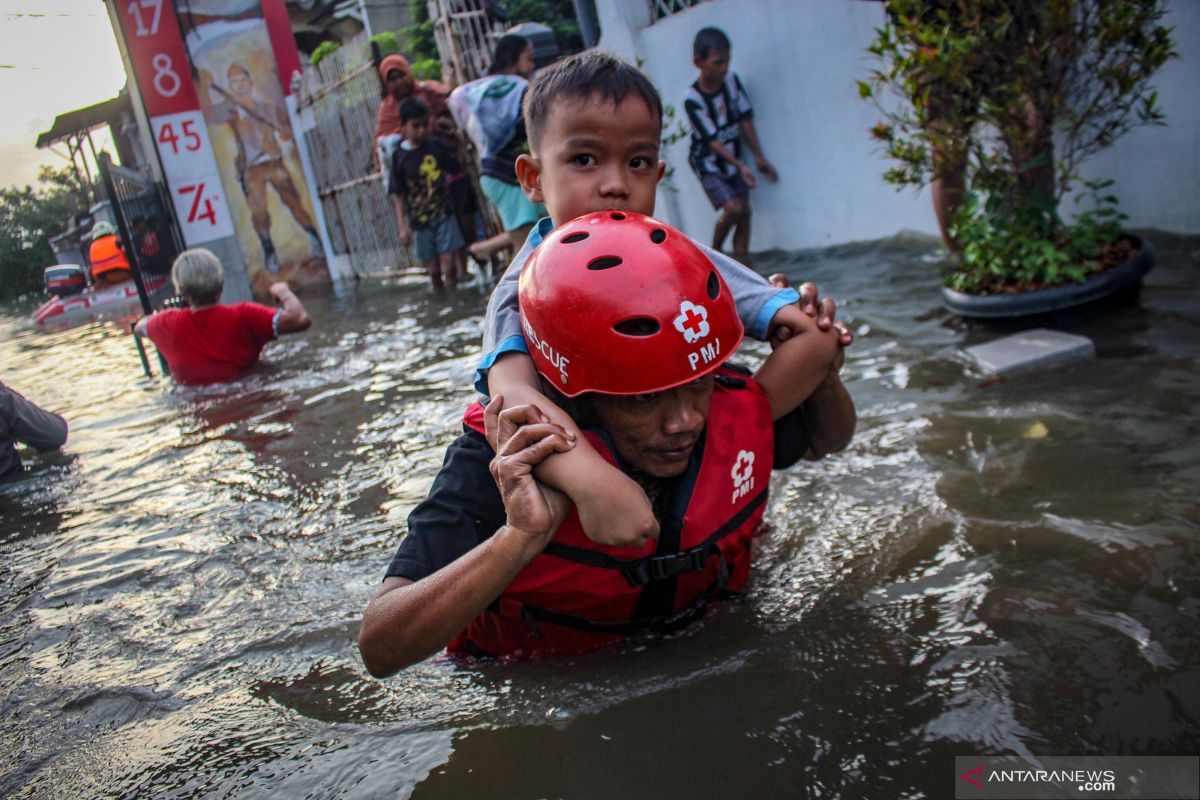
column 995, row 104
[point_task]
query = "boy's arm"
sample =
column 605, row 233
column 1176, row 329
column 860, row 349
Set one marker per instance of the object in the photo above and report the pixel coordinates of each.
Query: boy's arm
column 829, row 417
column 613, row 509
column 800, row 372
column 797, row 367
column 760, row 161
column 402, row 221
column 723, row 152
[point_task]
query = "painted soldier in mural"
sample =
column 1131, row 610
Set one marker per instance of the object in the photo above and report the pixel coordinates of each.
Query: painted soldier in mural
column 261, row 128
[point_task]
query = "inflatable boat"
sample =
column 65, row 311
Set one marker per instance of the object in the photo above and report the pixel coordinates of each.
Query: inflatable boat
column 74, row 303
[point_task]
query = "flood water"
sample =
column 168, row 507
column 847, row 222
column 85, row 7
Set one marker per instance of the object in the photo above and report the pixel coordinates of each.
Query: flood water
column 990, row 568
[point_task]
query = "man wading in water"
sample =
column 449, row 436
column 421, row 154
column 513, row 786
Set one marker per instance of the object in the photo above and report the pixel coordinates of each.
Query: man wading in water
column 496, row 563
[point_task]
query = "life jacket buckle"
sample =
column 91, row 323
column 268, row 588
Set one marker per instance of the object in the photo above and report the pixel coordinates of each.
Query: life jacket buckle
column 669, row 566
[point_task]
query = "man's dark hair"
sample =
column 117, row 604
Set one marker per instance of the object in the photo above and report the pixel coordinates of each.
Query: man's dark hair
column 709, row 40
column 508, row 52
column 592, row 73
column 412, row 108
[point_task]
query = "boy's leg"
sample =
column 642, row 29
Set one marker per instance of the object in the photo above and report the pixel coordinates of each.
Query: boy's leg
column 741, row 231
column 448, row 265
column 434, row 270
column 732, row 213
column 425, row 248
column 727, row 195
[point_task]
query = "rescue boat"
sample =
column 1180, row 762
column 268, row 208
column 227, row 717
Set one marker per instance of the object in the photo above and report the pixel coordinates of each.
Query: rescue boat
column 74, row 303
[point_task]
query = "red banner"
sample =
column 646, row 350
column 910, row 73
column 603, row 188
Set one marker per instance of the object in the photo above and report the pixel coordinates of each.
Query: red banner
column 159, row 57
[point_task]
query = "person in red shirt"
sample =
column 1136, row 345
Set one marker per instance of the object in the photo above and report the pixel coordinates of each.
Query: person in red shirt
column 209, row 342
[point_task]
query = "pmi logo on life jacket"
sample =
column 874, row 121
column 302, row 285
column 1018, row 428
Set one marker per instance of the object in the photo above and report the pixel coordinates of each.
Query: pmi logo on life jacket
column 692, row 322
column 742, row 474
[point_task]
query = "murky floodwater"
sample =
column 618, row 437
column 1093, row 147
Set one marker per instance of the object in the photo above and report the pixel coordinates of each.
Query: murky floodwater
column 990, row 568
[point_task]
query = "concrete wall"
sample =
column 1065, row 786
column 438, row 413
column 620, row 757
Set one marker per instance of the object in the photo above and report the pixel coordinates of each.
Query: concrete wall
column 799, row 60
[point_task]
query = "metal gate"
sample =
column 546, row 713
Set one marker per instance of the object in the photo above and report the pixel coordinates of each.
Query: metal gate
column 145, row 220
column 338, row 100
column 465, row 32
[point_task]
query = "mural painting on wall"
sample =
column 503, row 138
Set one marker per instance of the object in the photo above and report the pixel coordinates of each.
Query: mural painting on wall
column 244, row 110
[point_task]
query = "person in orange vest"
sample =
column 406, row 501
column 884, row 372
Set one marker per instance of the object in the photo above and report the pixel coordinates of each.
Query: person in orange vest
column 107, row 254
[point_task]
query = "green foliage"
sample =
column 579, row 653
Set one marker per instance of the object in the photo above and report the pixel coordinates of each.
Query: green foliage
column 387, row 42
column 427, row 69
column 323, row 51
column 28, row 218
column 1013, row 97
column 1008, row 249
column 419, row 43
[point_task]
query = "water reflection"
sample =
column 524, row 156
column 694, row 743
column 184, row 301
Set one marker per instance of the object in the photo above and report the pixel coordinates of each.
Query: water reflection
column 991, row 567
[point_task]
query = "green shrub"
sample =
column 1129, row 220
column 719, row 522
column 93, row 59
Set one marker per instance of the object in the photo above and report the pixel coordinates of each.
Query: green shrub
column 1015, row 96
column 323, row 51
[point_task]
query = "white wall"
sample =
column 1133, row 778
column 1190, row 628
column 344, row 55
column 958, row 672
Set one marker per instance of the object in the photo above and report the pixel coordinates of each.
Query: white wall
column 799, row 60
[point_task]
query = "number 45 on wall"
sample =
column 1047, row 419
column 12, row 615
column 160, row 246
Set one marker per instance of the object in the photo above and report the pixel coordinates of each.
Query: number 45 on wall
column 191, row 139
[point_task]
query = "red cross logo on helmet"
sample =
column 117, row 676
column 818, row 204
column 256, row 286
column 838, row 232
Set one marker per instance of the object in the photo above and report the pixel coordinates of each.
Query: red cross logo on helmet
column 692, row 321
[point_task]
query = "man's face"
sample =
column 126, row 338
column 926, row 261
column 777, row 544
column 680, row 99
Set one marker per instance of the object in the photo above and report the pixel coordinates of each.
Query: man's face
column 416, row 130
column 593, row 155
column 240, row 84
column 657, row 433
column 713, row 67
column 400, row 83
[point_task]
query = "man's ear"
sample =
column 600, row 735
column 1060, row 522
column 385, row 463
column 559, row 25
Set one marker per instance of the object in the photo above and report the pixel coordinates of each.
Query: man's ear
column 529, row 175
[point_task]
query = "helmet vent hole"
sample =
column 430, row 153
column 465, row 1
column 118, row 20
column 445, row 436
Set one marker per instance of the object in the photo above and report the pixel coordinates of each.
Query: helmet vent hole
column 638, row 326
column 658, row 236
column 617, row 215
column 714, row 286
column 576, row 237
column 604, row 262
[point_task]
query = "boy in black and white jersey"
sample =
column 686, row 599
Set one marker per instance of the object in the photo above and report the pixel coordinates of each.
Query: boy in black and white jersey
column 721, row 115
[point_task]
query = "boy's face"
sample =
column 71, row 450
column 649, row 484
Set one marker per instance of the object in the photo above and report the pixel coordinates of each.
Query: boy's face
column 593, row 155
column 713, row 67
column 415, row 130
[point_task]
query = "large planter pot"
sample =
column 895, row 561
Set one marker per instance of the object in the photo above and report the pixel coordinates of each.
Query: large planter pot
column 1116, row 285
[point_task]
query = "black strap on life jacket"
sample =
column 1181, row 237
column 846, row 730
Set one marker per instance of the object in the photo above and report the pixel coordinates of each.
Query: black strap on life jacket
column 642, row 570
column 662, row 624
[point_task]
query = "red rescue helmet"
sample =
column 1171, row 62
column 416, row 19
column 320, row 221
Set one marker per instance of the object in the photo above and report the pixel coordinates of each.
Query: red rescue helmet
column 619, row 303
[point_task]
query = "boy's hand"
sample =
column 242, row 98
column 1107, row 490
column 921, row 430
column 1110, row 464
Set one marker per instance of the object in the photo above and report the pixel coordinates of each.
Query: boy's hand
column 823, row 311
column 748, row 176
column 405, row 235
column 766, row 169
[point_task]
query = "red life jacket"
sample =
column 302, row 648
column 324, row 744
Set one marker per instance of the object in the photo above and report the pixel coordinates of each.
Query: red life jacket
column 106, row 256
column 578, row 595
